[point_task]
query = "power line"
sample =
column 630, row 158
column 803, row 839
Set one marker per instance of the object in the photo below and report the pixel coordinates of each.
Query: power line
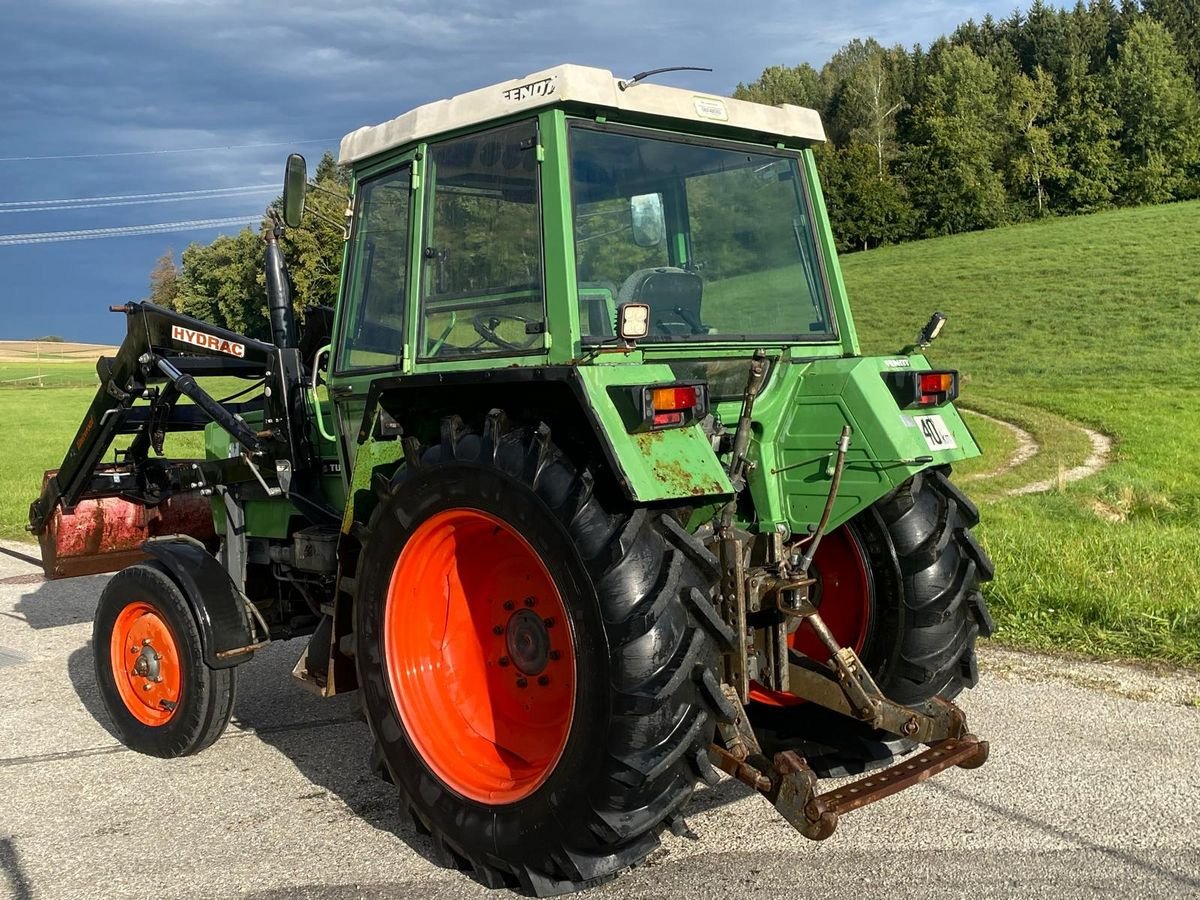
column 156, row 152
column 244, row 187
column 190, row 198
column 49, row 237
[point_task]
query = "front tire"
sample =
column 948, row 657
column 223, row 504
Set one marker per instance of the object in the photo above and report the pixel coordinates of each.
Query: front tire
column 553, row 787
column 161, row 697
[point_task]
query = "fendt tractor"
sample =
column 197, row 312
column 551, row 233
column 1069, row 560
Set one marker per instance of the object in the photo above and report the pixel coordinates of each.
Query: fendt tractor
column 585, row 487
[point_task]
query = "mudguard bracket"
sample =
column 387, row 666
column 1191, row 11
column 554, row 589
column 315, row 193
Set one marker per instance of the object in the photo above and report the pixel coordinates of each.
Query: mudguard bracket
column 221, row 614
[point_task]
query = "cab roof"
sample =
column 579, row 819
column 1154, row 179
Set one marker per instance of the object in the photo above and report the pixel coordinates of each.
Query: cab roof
column 584, row 86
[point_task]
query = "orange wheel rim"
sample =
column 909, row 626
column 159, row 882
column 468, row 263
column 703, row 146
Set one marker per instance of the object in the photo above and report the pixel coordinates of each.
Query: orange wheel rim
column 479, row 655
column 145, row 664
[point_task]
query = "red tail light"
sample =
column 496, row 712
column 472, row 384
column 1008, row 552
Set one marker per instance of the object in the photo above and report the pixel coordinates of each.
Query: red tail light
column 673, row 405
column 916, row 390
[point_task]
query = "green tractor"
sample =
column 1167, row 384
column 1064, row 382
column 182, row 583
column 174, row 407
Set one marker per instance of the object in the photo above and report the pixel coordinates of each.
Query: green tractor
column 601, row 497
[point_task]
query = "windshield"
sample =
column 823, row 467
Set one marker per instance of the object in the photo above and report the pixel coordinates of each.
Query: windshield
column 717, row 241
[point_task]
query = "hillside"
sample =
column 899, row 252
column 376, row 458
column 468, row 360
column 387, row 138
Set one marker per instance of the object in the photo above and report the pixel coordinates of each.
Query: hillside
column 1092, row 320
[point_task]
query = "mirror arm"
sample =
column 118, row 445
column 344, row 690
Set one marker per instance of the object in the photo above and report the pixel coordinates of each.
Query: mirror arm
column 343, row 227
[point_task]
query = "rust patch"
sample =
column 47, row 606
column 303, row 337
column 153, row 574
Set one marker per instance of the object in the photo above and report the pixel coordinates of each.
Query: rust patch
column 671, row 472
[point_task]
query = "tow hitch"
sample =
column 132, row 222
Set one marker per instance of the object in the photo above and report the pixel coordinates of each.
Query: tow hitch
column 791, row 786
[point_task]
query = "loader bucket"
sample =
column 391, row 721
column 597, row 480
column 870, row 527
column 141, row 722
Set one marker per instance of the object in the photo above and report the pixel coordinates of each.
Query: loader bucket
column 105, row 534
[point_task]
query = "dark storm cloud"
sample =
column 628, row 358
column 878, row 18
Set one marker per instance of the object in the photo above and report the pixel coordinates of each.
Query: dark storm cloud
column 119, row 76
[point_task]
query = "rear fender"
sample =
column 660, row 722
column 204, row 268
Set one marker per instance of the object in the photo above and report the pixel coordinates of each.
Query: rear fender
column 801, row 415
column 672, row 465
column 215, row 600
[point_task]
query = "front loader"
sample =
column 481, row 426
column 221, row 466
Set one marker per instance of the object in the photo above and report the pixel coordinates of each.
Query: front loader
column 601, row 495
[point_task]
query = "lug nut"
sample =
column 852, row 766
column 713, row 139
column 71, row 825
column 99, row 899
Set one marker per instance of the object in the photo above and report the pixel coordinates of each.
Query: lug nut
column 147, row 686
column 554, row 654
column 549, row 623
column 133, row 649
column 521, row 682
column 145, row 642
column 498, row 629
column 529, row 601
column 508, row 604
column 543, row 680
column 504, row 661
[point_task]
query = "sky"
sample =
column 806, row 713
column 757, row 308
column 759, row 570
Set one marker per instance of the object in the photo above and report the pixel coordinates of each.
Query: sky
column 111, row 98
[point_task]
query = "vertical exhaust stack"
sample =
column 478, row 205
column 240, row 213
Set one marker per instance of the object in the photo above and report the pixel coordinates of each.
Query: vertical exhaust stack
column 279, row 293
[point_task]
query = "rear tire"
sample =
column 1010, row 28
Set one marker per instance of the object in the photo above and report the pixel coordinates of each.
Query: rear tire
column 635, row 589
column 924, row 611
column 162, row 698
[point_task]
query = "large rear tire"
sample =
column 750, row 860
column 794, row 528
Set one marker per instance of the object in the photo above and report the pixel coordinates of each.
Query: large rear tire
column 901, row 584
column 495, row 547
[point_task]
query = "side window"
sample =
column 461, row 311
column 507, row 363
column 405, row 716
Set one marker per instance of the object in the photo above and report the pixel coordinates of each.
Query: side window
column 373, row 329
column 481, row 283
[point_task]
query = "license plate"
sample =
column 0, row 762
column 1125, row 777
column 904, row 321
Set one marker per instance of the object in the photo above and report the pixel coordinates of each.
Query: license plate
column 937, row 435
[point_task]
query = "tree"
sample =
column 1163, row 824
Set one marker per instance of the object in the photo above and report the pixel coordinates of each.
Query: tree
column 1033, row 156
column 1156, row 100
column 1182, row 19
column 782, row 84
column 862, row 98
column 223, row 283
column 866, row 208
column 164, row 281
column 1085, row 128
column 952, row 171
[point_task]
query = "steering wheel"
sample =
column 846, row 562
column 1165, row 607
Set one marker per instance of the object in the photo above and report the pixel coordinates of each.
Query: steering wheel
column 486, row 323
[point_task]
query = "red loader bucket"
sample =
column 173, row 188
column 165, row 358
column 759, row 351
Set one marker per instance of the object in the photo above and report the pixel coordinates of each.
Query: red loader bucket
column 106, row 534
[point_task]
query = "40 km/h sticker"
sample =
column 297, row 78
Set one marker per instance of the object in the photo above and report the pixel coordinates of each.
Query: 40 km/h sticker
column 937, row 435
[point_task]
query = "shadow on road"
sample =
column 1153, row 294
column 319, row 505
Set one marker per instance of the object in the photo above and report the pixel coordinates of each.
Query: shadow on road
column 325, row 740
column 11, row 873
column 53, row 604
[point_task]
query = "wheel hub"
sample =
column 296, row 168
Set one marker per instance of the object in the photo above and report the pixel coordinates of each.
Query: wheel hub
column 148, row 664
column 528, row 642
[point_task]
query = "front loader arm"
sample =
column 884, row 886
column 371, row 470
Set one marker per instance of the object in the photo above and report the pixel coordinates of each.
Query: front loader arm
column 160, row 345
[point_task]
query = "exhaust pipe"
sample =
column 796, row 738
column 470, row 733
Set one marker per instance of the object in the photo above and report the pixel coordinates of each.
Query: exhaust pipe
column 279, row 294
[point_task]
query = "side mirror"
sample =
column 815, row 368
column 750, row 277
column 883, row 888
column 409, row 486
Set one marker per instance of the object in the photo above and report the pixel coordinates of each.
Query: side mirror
column 646, row 216
column 295, row 182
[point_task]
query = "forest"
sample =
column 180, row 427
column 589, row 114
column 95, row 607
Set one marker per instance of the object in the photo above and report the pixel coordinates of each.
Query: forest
column 1047, row 112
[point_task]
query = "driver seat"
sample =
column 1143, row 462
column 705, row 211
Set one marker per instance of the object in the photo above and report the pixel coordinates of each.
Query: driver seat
column 673, row 295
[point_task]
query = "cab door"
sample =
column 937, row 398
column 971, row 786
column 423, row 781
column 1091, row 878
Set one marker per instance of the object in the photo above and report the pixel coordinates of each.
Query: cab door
column 373, row 327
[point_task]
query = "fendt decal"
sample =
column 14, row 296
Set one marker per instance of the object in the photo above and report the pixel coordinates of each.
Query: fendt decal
column 208, row 341
column 543, row 88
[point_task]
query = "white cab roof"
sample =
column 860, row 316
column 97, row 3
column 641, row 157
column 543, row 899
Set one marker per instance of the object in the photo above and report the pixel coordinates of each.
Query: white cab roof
column 579, row 84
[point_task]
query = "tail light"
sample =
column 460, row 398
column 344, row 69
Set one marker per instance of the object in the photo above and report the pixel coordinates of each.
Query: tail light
column 671, row 405
column 918, row 390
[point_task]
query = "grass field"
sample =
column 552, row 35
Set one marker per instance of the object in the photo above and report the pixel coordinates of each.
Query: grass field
column 1092, row 321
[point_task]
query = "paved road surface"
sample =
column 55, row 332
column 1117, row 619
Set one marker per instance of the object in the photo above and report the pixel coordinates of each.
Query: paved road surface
column 1093, row 789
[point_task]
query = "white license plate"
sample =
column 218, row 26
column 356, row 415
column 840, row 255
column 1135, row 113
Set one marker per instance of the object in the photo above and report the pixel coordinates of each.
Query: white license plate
column 937, row 435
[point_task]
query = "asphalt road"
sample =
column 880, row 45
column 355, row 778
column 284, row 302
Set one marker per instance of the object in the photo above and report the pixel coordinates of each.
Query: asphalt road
column 1093, row 789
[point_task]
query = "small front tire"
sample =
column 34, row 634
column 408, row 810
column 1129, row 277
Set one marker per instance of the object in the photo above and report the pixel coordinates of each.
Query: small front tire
column 161, row 697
